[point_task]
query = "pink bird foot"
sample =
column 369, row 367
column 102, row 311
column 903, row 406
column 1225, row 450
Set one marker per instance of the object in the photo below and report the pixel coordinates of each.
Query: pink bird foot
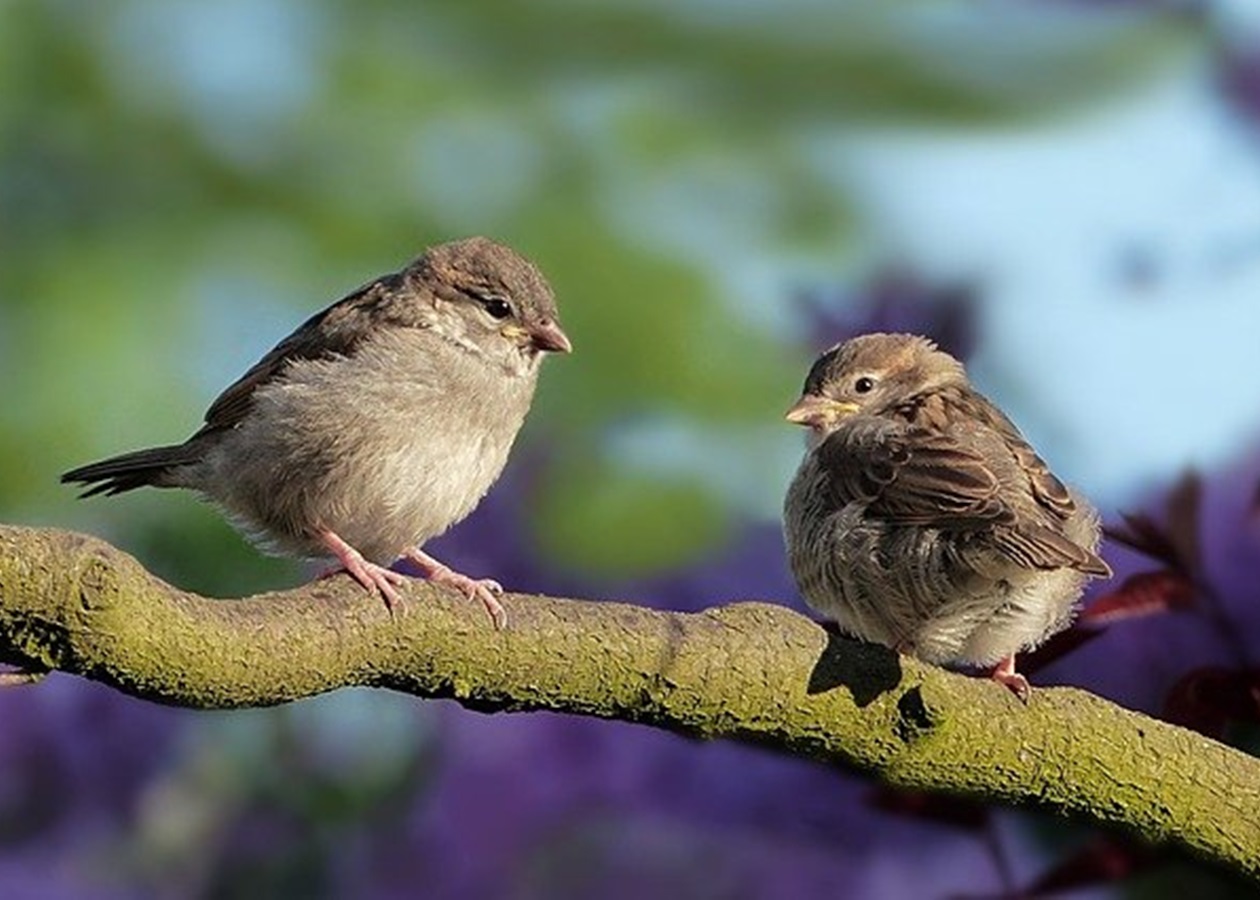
column 483, row 589
column 377, row 579
column 1004, row 673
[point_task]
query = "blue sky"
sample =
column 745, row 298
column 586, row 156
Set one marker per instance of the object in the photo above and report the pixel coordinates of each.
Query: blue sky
column 1124, row 329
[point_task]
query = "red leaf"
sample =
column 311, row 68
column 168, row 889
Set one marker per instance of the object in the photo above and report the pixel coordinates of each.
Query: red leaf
column 1209, row 698
column 952, row 811
column 1103, row 860
column 1057, row 647
column 1143, row 594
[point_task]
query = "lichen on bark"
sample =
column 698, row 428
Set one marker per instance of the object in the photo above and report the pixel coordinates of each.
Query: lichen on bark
column 752, row 672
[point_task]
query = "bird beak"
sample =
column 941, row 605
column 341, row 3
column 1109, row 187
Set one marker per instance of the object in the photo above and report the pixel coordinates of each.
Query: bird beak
column 548, row 336
column 817, row 412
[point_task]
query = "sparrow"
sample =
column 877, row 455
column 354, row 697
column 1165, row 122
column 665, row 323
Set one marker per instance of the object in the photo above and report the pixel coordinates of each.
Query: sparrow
column 376, row 425
column 921, row 519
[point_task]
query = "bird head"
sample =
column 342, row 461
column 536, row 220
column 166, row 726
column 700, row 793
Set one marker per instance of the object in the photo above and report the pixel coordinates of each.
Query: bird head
column 491, row 300
column 871, row 375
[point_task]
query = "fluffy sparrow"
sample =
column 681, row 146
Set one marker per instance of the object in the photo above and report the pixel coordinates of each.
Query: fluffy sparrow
column 921, row 519
column 377, row 424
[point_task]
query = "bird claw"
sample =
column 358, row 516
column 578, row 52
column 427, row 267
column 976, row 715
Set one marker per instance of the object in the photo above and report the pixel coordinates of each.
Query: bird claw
column 483, row 589
column 1004, row 674
column 382, row 580
column 375, row 578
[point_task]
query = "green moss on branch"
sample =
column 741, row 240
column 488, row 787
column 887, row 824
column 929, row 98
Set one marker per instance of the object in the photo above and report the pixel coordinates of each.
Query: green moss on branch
column 748, row 671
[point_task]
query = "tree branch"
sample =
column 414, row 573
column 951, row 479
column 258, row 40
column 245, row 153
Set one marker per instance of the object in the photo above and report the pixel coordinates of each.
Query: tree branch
column 748, row 671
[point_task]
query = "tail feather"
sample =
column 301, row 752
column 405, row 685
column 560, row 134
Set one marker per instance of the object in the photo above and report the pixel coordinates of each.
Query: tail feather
column 130, row 470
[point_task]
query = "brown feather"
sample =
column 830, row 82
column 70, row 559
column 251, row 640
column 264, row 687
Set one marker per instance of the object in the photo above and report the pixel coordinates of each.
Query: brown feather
column 1037, row 547
column 912, row 476
column 1049, row 491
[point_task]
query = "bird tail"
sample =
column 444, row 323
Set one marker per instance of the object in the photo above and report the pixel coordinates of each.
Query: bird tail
column 130, row 470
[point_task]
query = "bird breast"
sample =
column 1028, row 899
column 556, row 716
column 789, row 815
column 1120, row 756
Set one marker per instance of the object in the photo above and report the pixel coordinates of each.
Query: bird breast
column 388, row 447
column 915, row 587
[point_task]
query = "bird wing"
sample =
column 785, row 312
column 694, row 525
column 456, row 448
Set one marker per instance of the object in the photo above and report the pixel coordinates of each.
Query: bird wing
column 1035, row 546
column 911, row 475
column 1032, row 544
column 334, row 331
column 1051, row 493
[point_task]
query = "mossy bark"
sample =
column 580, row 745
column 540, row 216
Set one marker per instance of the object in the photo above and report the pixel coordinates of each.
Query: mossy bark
column 747, row 671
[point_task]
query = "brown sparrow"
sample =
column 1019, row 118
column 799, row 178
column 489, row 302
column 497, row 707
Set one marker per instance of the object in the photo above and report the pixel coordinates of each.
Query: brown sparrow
column 921, row 519
column 378, row 424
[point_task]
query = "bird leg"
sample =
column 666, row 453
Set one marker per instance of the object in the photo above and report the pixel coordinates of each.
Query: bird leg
column 483, row 589
column 377, row 579
column 1004, row 673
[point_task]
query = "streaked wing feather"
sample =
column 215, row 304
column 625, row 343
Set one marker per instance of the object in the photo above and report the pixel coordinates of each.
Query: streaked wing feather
column 1037, row 547
column 910, row 475
column 1049, row 491
column 913, row 476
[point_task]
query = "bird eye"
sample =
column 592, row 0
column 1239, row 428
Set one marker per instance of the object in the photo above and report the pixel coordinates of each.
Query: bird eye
column 864, row 385
column 497, row 307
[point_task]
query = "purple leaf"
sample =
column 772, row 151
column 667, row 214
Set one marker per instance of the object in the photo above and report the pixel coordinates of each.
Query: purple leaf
column 943, row 810
column 1104, row 860
column 1208, row 699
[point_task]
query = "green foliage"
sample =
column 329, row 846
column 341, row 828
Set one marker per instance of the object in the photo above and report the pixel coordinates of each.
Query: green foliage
column 596, row 520
column 180, row 184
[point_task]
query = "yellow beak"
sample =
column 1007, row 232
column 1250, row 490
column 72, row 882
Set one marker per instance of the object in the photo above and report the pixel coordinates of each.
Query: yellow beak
column 817, row 412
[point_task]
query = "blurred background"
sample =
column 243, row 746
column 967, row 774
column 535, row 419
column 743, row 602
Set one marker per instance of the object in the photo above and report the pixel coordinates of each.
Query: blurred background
column 1067, row 194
